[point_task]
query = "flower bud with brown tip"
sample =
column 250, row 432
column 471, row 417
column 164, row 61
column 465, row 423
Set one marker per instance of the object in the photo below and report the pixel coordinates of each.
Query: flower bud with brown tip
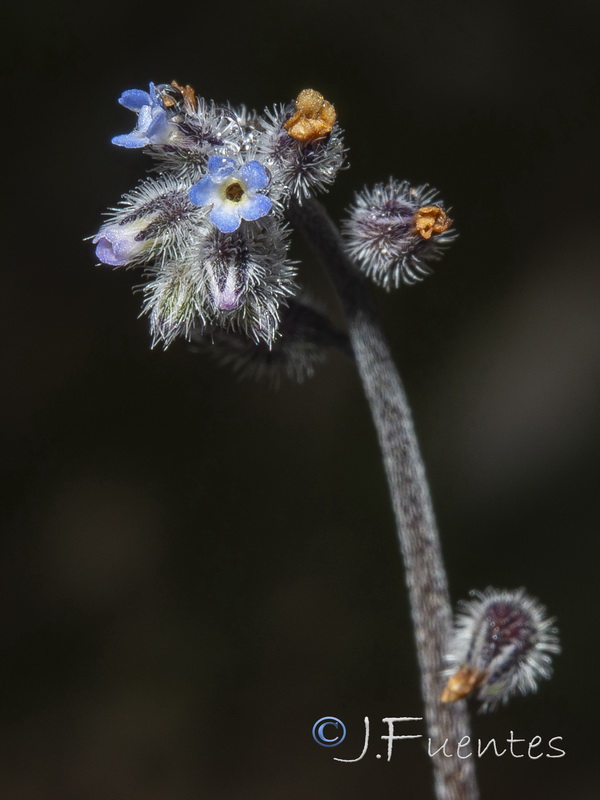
column 502, row 645
column 394, row 231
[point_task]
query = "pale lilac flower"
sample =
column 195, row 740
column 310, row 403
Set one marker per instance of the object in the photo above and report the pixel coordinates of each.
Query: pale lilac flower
column 118, row 244
column 234, row 193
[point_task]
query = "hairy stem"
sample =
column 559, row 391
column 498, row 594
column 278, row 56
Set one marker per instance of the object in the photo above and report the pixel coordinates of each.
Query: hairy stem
column 417, row 532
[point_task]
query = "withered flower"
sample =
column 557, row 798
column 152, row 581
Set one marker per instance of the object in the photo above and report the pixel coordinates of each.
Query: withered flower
column 430, row 220
column 313, row 119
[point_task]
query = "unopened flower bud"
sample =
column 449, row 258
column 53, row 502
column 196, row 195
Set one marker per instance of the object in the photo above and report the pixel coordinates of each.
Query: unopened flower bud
column 236, row 281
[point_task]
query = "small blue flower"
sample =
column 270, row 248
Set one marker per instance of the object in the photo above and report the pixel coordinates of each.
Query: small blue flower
column 235, row 194
column 152, row 124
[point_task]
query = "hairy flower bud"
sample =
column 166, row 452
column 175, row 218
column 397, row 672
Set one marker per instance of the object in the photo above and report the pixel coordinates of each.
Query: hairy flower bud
column 394, row 230
column 502, row 645
column 235, row 281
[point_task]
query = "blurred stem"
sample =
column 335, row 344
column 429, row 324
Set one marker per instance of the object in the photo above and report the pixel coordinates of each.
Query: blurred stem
column 417, row 531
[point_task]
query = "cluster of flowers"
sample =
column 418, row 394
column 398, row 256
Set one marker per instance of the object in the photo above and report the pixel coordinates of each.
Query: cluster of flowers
column 209, row 225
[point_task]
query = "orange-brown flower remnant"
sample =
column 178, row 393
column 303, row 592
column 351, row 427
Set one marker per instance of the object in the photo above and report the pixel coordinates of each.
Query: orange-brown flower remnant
column 313, row 119
column 189, row 97
column 429, row 220
column 461, row 684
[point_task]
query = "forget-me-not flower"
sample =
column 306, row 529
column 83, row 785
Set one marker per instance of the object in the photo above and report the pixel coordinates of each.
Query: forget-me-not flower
column 234, row 193
column 152, row 123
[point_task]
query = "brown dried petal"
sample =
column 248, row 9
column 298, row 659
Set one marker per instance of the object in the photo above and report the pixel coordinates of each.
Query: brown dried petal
column 189, row 96
column 314, row 117
column 430, row 220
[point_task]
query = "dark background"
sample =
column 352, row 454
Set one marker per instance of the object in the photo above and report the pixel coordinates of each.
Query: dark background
column 193, row 569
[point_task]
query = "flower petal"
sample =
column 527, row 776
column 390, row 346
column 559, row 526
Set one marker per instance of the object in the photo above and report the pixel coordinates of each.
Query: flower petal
column 118, row 244
column 226, row 219
column 220, row 168
column 204, row 192
column 106, row 254
column 254, row 175
column 144, row 119
column 158, row 127
column 256, row 207
column 133, row 139
column 134, row 99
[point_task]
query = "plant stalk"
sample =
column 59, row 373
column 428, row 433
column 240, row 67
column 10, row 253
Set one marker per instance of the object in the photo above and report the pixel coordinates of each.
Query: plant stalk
column 411, row 500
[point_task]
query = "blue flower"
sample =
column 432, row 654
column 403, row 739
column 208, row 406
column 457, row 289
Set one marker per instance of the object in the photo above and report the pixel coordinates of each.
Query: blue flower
column 235, row 194
column 152, row 124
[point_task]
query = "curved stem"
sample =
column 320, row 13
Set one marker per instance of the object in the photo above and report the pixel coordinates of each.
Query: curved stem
column 417, row 532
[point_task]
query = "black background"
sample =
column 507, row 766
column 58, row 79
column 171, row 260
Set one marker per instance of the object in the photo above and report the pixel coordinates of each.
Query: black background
column 195, row 569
